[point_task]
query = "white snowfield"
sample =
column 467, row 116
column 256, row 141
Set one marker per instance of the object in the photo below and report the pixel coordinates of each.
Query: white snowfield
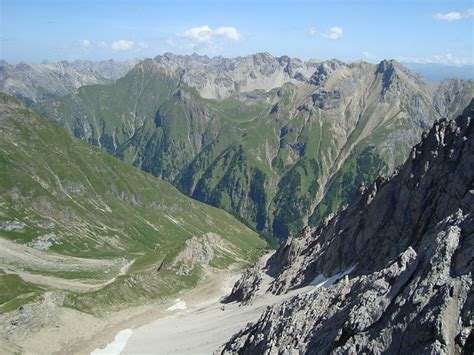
column 322, row 281
column 206, row 325
column 115, row 347
column 178, row 306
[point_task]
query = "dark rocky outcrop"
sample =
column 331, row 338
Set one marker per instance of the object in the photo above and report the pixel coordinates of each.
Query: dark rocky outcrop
column 393, row 271
column 245, row 289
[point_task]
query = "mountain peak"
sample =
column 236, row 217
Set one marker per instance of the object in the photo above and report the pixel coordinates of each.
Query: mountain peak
column 386, row 64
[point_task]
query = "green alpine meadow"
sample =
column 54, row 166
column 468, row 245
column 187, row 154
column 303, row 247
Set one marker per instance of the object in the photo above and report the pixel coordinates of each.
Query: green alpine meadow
column 75, row 219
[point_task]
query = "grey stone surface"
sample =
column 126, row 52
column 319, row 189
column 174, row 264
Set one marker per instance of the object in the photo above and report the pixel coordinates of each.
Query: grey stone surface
column 409, row 240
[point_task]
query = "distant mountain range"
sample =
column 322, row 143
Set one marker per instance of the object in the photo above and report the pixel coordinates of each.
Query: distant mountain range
column 326, row 154
column 276, row 141
column 32, row 82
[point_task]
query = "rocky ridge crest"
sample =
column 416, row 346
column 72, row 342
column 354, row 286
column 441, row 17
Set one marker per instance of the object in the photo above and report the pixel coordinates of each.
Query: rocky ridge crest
column 392, row 272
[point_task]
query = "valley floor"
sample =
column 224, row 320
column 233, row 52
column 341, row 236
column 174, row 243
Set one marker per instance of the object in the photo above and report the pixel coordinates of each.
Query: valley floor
column 204, row 326
column 74, row 332
column 172, row 321
column 194, row 324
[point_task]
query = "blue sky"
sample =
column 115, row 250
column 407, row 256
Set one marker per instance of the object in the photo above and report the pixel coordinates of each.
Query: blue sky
column 407, row 30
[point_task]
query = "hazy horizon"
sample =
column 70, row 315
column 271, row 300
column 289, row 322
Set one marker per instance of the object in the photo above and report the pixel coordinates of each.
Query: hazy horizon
column 435, row 32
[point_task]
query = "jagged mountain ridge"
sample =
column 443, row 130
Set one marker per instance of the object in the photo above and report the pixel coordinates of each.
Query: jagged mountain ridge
column 220, row 78
column 401, row 257
column 33, row 82
column 274, row 158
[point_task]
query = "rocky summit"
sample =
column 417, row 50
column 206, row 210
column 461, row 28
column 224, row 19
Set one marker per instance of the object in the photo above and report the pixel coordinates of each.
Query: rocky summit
column 391, row 273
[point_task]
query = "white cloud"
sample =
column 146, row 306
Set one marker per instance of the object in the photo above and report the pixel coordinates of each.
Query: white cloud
column 449, row 16
column 122, row 45
column 85, row 43
column 312, row 31
column 454, row 16
column 102, row 44
column 142, row 45
column 119, row 45
column 228, row 32
column 333, row 33
column 201, row 34
column 205, row 34
column 170, row 42
column 368, row 56
column 447, row 59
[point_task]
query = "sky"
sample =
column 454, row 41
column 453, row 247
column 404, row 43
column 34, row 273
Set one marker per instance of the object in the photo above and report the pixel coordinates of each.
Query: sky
column 420, row 31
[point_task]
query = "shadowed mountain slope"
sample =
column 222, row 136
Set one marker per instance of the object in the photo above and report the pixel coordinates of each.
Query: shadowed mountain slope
column 392, row 272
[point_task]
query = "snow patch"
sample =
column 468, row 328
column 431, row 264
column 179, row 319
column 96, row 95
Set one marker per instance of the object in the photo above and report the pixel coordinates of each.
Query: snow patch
column 179, row 305
column 322, row 281
column 115, row 347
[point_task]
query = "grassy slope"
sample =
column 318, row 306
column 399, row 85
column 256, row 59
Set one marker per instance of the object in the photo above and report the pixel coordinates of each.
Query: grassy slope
column 268, row 161
column 96, row 206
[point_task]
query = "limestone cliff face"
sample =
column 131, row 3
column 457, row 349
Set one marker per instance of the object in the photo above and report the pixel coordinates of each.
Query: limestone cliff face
column 392, row 272
column 279, row 142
